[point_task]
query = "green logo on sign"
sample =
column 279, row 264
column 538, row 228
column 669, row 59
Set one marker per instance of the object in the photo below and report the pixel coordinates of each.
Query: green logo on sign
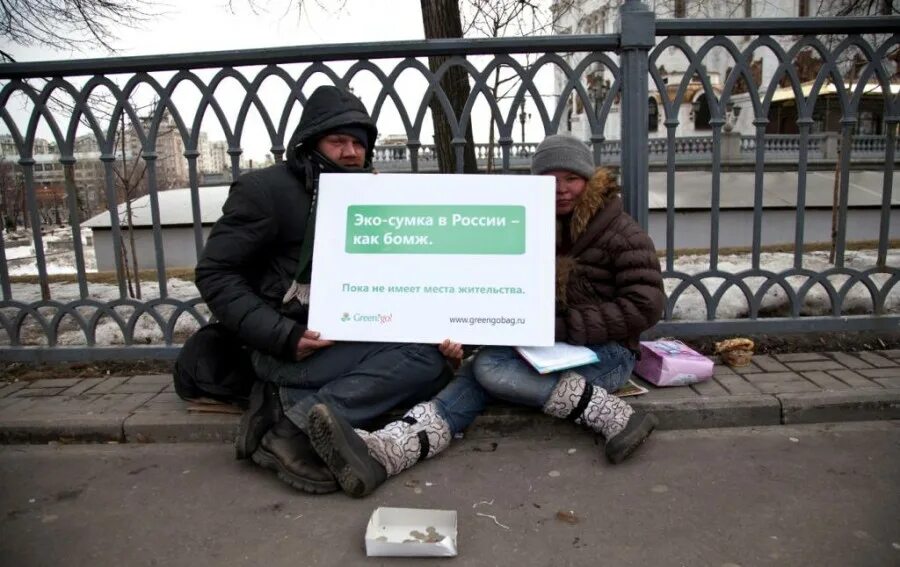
column 345, row 317
column 435, row 229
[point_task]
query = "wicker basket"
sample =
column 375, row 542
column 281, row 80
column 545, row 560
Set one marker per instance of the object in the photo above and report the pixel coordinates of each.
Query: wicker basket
column 737, row 357
column 735, row 352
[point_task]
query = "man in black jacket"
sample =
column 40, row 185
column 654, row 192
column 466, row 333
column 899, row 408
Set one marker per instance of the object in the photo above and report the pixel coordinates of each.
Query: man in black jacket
column 254, row 275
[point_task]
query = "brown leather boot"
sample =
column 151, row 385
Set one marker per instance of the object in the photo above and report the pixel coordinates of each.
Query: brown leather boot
column 263, row 412
column 288, row 451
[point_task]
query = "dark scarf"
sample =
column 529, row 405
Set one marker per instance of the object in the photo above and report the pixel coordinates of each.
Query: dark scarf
column 314, row 164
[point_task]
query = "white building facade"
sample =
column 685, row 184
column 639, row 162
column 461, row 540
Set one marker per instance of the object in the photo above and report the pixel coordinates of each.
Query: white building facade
column 600, row 17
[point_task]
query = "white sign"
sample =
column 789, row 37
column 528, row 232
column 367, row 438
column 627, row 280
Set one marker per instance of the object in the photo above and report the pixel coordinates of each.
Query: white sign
column 423, row 258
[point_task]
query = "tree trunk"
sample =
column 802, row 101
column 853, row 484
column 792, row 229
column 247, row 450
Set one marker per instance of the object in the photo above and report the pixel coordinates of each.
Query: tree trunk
column 441, row 20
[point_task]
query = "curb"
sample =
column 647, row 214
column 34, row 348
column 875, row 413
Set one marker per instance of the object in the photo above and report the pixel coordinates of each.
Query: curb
column 179, row 426
column 857, row 405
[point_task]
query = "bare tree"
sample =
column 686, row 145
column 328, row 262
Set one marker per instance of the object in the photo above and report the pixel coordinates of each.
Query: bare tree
column 501, row 18
column 12, row 194
column 441, row 19
column 71, row 24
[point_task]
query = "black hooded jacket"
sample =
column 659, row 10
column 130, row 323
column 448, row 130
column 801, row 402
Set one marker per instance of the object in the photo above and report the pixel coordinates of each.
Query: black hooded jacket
column 251, row 255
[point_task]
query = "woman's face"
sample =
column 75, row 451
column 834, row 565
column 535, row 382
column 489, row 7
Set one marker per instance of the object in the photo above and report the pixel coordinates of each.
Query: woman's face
column 569, row 187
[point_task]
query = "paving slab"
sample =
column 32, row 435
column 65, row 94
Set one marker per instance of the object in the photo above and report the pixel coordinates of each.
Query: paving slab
column 815, row 365
column 108, row 384
column 53, row 382
column 891, row 353
column 880, row 372
column 138, row 388
column 37, row 392
column 849, row 360
column 11, row 388
column 892, row 382
column 82, row 386
column 737, row 385
column 709, row 388
column 852, row 379
column 769, row 364
column 800, row 356
column 162, row 379
column 825, row 381
column 877, row 360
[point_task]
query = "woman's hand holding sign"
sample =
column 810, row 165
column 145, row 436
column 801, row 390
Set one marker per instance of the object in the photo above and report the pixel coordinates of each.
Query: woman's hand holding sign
column 453, row 352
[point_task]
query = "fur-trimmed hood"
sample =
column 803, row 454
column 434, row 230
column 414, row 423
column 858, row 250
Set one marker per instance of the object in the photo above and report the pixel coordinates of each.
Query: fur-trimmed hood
column 601, row 187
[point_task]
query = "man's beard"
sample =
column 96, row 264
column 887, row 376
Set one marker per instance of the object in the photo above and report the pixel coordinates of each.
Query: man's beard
column 329, row 166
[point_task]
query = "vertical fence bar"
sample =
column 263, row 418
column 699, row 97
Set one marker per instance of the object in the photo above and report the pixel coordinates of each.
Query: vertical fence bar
column 68, row 163
column 5, row 284
column 716, row 197
column 194, row 185
column 35, row 215
column 153, row 191
column 637, row 29
column 847, row 124
column 890, row 123
column 671, row 125
column 758, row 177
column 115, row 228
column 413, row 146
column 235, row 154
column 800, row 222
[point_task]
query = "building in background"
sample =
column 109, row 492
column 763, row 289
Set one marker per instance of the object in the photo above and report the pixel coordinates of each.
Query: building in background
column 599, row 17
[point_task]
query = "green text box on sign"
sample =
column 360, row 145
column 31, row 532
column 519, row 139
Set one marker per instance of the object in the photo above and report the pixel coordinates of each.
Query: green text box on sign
column 435, row 229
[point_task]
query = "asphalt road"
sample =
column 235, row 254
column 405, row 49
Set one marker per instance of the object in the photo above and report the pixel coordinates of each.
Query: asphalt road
column 815, row 495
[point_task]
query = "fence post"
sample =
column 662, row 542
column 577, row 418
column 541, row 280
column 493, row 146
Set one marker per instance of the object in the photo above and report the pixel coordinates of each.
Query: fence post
column 637, row 35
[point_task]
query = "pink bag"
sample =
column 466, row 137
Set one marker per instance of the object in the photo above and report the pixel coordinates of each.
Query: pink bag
column 672, row 363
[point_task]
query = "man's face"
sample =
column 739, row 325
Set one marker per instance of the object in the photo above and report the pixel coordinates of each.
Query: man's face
column 343, row 150
column 569, row 187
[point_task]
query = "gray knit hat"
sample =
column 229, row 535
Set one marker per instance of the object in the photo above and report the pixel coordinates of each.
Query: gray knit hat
column 565, row 152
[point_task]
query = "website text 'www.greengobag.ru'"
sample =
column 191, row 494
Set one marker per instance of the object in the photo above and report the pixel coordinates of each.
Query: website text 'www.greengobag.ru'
column 492, row 321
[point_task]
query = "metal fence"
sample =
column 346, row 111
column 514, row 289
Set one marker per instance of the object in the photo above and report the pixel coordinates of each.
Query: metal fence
column 149, row 319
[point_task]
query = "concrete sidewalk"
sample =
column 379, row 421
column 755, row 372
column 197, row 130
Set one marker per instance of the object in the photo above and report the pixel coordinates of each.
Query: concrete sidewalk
column 777, row 389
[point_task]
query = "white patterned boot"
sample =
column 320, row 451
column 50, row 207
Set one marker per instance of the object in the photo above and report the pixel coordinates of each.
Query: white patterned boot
column 361, row 461
column 624, row 429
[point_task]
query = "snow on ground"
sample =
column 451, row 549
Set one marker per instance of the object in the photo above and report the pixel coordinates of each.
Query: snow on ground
column 690, row 305
column 58, row 253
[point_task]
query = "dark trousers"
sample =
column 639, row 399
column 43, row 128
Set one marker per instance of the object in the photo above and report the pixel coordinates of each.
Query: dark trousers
column 360, row 381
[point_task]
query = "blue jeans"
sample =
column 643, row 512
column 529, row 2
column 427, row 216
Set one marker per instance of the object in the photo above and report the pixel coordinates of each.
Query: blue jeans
column 462, row 400
column 508, row 377
column 499, row 372
column 360, row 381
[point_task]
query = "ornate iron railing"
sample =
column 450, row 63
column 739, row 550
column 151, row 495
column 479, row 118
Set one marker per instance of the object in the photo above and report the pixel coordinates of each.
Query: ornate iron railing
column 265, row 89
column 688, row 150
